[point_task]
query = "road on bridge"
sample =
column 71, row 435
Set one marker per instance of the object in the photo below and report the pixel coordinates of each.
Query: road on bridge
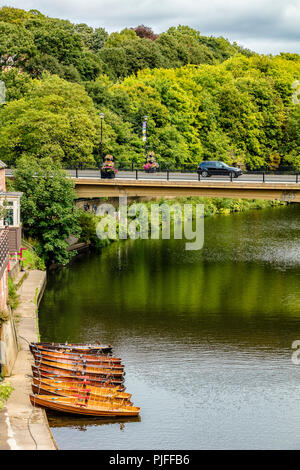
column 178, row 176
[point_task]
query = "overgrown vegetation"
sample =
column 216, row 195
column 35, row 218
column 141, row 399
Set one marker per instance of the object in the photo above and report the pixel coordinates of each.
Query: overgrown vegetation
column 204, row 97
column 31, row 260
column 13, row 296
column 4, row 316
column 5, row 392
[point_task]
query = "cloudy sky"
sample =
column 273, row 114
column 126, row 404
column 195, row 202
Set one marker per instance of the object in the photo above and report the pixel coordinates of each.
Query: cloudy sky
column 267, row 26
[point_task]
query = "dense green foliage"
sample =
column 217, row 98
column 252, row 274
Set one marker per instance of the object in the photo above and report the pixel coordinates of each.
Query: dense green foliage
column 56, row 118
column 204, row 97
column 78, row 52
column 47, row 207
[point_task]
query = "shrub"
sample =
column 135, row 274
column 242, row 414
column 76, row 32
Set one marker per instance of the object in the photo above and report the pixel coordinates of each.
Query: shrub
column 5, row 391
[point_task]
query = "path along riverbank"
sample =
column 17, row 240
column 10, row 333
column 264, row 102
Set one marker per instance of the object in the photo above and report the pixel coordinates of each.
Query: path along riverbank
column 23, row 427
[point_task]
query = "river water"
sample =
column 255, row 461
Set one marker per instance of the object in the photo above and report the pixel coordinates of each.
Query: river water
column 205, row 336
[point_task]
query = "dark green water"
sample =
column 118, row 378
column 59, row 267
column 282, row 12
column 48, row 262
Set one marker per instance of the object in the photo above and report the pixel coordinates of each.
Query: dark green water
column 205, row 336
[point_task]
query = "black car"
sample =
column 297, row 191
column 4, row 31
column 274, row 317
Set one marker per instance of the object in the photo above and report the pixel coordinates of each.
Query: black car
column 206, row 169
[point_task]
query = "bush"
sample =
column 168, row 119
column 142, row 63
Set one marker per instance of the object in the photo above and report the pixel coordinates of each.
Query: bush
column 13, row 297
column 32, row 260
column 5, row 391
column 3, row 316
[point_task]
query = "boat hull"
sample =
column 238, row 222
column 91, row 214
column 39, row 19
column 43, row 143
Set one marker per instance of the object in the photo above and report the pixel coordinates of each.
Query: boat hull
column 82, row 369
column 65, row 406
column 55, row 373
column 60, row 387
column 78, row 362
column 52, row 391
column 81, row 348
column 77, row 356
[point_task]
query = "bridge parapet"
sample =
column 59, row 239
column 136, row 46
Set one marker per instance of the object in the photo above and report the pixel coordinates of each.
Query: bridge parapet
column 93, row 188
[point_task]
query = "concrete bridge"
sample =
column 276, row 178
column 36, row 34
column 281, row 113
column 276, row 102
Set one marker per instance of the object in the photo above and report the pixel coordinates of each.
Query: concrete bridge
column 237, row 189
column 269, row 186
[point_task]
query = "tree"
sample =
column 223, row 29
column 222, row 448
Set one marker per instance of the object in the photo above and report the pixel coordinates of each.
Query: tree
column 47, row 207
column 88, row 65
column 16, row 44
column 145, row 32
column 61, row 43
column 56, row 119
column 17, row 84
column 116, row 39
column 93, row 39
column 182, row 45
column 14, row 15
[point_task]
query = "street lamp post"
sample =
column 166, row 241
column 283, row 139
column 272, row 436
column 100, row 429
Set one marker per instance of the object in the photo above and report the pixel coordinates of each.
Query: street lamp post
column 101, row 144
column 2, row 93
column 145, row 134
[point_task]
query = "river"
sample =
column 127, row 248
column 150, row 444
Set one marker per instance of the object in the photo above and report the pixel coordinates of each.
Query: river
column 205, row 336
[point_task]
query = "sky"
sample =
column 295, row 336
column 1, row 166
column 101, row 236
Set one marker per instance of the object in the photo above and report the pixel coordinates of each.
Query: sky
column 265, row 26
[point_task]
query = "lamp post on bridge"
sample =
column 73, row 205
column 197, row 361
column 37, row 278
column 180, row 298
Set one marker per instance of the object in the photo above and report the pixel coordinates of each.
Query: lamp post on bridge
column 101, row 143
column 145, row 134
column 2, row 93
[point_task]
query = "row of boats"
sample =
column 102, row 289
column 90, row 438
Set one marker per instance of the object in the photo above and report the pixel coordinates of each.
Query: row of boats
column 83, row 379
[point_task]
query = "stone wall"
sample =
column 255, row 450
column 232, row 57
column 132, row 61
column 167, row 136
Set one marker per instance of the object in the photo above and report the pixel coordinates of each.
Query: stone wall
column 9, row 346
column 3, row 290
column 2, row 179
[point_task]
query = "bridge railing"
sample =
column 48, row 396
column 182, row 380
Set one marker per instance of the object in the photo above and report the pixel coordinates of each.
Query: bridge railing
column 189, row 173
column 185, row 172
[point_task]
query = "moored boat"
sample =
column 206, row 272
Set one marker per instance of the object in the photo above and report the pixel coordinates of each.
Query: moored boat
column 110, row 397
column 74, row 347
column 52, row 372
column 60, row 387
column 39, row 358
column 76, row 356
column 83, row 368
column 83, row 406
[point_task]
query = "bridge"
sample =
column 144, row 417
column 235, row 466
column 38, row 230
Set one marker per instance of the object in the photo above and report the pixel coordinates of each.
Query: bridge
column 280, row 187
column 259, row 185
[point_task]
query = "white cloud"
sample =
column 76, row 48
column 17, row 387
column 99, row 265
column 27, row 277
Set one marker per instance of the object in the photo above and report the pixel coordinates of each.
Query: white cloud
column 268, row 26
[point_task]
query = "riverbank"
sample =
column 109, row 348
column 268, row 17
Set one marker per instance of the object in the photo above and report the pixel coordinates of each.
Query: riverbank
column 23, row 427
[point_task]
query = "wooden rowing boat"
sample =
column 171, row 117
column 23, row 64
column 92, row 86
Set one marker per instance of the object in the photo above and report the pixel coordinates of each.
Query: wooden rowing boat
column 69, row 347
column 61, row 387
column 62, row 360
column 49, row 372
column 39, row 390
column 75, row 356
column 43, row 389
column 83, row 406
column 83, row 368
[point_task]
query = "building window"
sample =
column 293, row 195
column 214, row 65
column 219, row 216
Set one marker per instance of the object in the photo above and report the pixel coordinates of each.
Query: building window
column 9, row 219
column 12, row 218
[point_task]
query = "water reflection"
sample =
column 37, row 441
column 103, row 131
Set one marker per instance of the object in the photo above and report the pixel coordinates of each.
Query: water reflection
column 58, row 420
